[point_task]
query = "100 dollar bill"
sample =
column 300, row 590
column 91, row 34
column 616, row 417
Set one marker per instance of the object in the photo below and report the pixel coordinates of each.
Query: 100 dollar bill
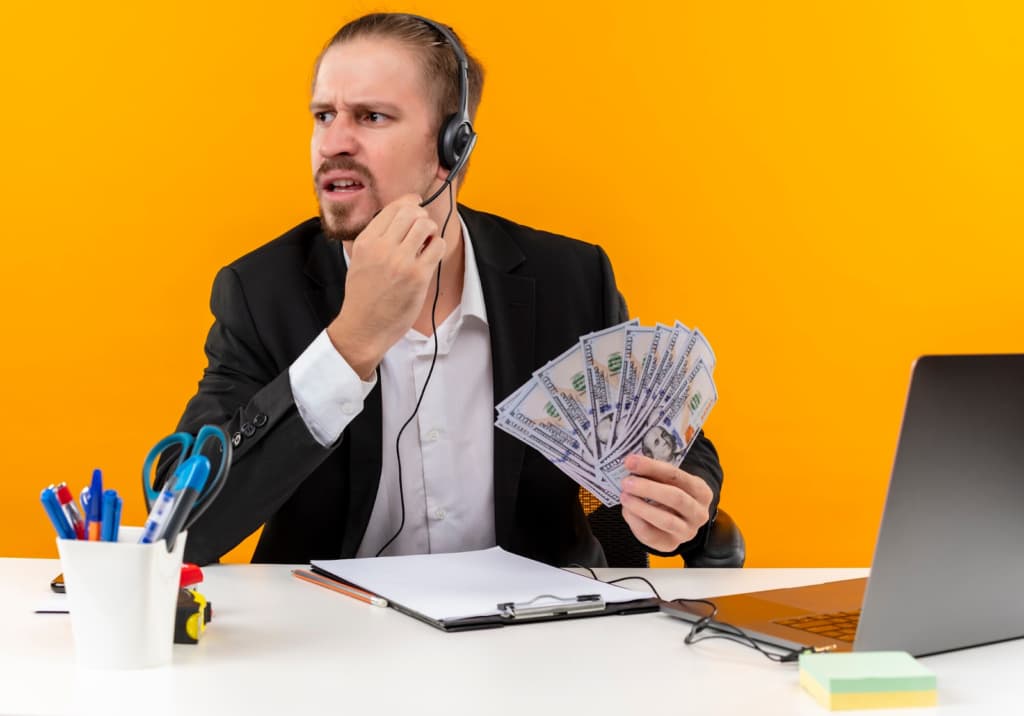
column 669, row 438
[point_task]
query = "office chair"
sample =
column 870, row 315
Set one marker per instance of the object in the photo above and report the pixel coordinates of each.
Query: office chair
column 724, row 546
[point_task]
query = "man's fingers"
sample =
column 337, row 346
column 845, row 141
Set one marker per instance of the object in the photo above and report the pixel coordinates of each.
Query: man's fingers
column 654, row 514
column 670, row 497
column 636, row 512
column 668, row 474
column 432, row 251
column 391, row 223
column 662, row 504
column 383, row 217
column 409, row 222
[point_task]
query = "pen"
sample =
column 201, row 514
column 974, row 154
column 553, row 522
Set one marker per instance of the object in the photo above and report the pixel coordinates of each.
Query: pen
column 67, row 504
column 158, row 515
column 56, row 514
column 94, row 517
column 115, row 530
column 334, row 586
column 163, row 506
column 111, row 516
column 193, row 472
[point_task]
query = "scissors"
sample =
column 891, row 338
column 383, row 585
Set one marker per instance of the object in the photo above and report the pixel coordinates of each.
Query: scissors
column 190, row 447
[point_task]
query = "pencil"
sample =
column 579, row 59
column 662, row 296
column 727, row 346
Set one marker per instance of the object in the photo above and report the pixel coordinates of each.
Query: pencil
column 347, row 590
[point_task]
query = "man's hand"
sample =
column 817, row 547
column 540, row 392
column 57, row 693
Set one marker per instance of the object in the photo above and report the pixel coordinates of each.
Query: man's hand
column 663, row 505
column 391, row 264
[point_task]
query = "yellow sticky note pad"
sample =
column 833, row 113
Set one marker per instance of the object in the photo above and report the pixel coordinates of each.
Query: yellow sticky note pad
column 867, row 680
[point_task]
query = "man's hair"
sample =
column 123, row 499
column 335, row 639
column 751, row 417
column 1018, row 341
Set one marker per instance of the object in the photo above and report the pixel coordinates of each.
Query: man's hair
column 440, row 66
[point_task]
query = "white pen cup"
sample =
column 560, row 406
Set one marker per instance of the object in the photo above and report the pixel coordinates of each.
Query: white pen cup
column 122, row 597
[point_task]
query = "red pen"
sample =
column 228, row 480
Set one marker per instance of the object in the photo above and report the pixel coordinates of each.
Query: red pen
column 67, row 503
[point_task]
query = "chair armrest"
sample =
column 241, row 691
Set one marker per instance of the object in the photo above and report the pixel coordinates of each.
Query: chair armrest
column 724, row 547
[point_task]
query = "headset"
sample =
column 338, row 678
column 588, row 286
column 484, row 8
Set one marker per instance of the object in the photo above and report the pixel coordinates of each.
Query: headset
column 457, row 137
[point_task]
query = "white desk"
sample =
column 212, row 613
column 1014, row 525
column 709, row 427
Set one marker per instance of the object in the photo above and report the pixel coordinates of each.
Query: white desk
column 280, row 646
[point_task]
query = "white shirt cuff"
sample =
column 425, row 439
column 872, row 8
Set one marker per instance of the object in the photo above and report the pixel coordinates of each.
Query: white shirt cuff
column 327, row 391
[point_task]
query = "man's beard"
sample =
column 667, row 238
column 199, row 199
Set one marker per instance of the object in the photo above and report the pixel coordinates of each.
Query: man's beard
column 334, row 217
column 334, row 226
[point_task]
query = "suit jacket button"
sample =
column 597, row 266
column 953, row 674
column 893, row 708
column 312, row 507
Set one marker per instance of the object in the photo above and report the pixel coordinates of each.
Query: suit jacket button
column 248, row 430
column 236, row 439
column 260, row 420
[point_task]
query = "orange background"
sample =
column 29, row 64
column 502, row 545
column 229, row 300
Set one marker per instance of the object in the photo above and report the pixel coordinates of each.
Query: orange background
column 827, row 189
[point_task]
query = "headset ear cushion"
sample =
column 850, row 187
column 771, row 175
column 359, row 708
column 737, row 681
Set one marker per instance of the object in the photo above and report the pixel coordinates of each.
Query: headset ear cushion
column 453, row 140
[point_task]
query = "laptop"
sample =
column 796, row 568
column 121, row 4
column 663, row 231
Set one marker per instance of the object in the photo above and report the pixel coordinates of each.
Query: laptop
column 948, row 569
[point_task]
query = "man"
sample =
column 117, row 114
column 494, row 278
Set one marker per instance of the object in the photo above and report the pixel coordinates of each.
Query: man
column 324, row 340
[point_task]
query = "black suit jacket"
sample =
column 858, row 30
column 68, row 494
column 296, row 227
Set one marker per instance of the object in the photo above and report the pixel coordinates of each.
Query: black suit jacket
column 541, row 291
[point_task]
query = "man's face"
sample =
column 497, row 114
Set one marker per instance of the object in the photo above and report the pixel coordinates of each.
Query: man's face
column 374, row 132
column 658, row 444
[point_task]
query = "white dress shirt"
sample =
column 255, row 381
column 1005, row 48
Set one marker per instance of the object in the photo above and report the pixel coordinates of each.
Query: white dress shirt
column 447, row 450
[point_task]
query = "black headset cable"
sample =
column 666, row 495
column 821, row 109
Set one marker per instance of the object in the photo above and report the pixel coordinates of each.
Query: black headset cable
column 433, row 362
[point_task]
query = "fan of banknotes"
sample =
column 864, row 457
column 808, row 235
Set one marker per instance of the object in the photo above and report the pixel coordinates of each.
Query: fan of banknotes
column 624, row 390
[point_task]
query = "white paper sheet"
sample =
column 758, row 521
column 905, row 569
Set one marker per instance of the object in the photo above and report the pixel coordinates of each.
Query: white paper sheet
column 458, row 585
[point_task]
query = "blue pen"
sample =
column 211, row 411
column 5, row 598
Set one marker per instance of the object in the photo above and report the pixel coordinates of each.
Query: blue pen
column 94, row 518
column 195, row 481
column 116, row 528
column 110, row 516
column 57, row 517
column 165, row 501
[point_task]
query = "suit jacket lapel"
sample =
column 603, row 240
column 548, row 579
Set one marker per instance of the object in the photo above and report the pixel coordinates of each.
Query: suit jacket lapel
column 511, row 315
column 326, row 270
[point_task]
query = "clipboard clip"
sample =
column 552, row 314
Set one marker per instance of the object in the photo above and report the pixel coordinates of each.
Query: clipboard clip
column 553, row 606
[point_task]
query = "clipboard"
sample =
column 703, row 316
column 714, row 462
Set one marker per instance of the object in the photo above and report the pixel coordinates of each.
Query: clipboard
column 484, row 589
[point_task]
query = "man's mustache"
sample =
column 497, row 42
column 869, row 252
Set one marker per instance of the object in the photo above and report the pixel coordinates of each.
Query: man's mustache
column 346, row 164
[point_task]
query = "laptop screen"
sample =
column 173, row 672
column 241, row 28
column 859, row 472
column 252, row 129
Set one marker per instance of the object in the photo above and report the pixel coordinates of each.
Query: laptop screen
column 948, row 570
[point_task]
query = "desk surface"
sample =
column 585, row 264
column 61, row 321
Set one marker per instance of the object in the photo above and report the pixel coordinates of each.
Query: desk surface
column 279, row 646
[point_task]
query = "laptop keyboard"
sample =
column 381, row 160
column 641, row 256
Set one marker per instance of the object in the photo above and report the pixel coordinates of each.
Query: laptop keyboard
column 835, row 625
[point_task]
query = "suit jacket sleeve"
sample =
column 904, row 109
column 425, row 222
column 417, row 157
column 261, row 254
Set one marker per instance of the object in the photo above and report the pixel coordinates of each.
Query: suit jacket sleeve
column 702, row 459
column 243, row 392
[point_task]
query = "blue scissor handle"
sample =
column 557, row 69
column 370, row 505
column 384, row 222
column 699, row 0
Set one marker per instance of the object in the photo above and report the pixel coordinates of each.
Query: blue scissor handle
column 184, row 440
column 190, row 446
column 216, row 482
